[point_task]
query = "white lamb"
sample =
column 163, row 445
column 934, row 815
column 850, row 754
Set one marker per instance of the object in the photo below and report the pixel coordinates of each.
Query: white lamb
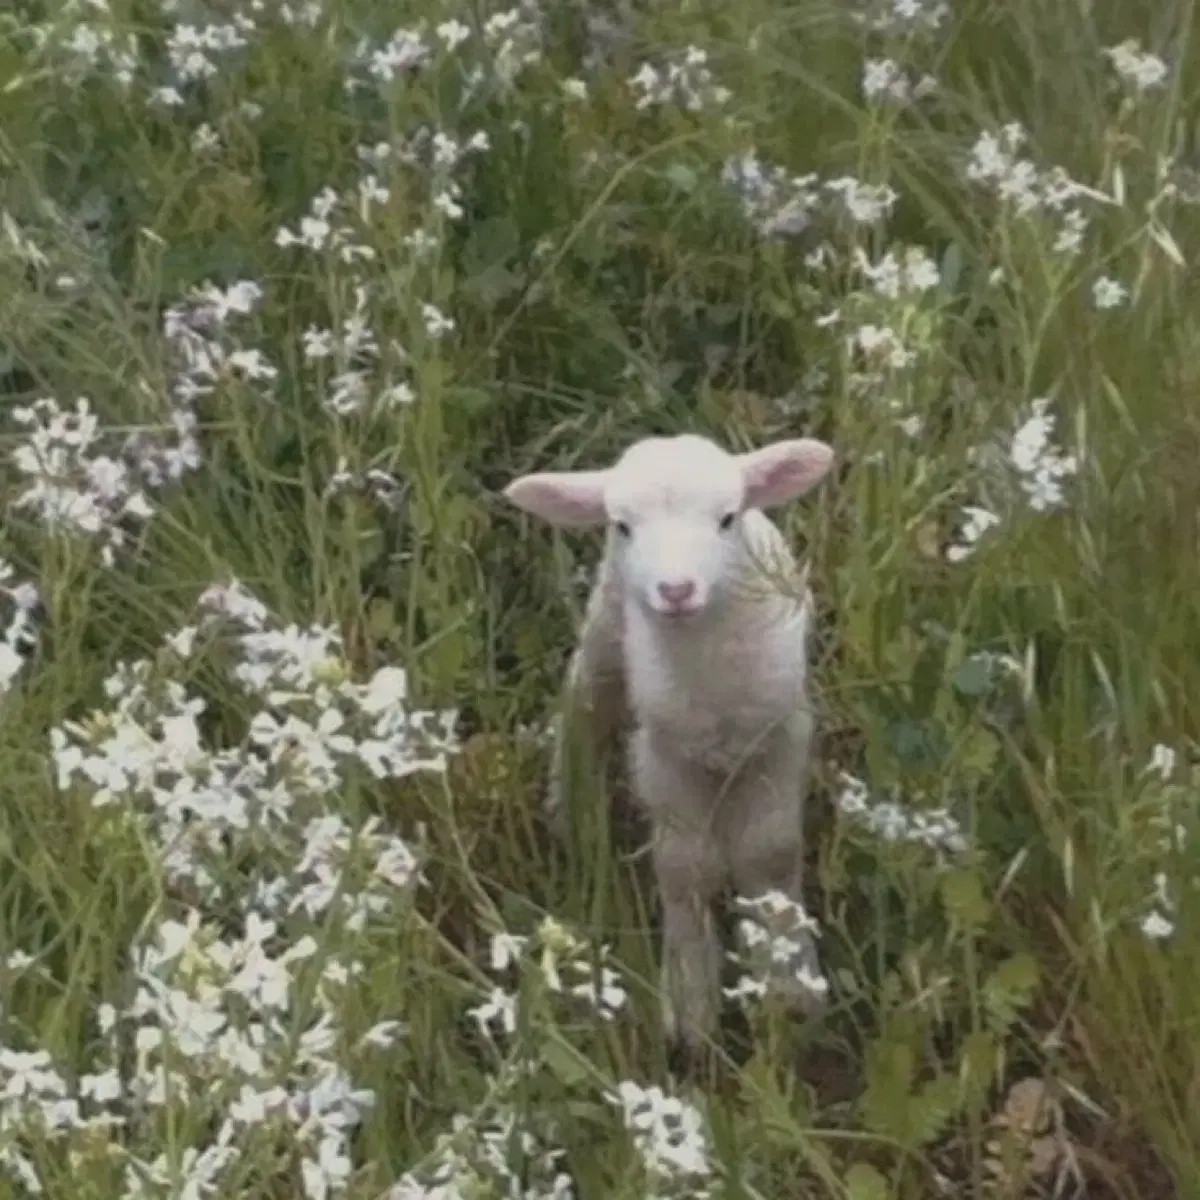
column 690, row 633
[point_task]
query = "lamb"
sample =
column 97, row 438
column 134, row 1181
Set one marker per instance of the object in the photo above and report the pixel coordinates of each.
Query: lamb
column 689, row 641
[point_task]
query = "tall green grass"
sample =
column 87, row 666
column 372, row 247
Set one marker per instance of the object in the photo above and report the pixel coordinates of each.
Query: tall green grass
column 605, row 282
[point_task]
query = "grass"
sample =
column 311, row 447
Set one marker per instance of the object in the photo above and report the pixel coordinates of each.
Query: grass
column 249, row 942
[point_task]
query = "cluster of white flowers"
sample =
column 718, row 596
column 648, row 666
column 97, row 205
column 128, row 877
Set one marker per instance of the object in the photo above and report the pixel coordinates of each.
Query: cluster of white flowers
column 382, row 486
column 352, row 387
column 1137, row 68
column 514, row 39
column 909, row 273
column 216, row 1053
column 87, row 39
column 1041, row 469
column 206, row 355
column 900, row 17
column 891, row 821
column 587, row 974
column 432, row 157
column 886, row 81
column 90, row 47
column 776, row 202
column 1159, row 922
column 975, row 522
column 670, row 1136
column 73, row 486
column 20, row 634
column 405, row 53
column 196, row 52
column 318, row 233
column 881, row 359
column 684, row 80
column 250, row 828
column 510, row 42
column 780, row 204
column 775, row 943
column 1109, row 293
column 474, row 1159
column 880, row 350
column 268, row 794
column 863, row 203
column 478, row 1153
column 996, row 163
column 357, row 375
column 70, row 486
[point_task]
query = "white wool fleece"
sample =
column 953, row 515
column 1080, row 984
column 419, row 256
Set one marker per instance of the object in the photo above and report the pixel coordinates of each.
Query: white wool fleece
column 697, row 629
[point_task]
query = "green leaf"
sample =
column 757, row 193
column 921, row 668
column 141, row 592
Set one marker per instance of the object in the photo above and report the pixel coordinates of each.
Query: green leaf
column 1010, row 987
column 977, row 751
column 977, row 1065
column 863, row 1182
column 890, row 1067
column 926, row 680
column 932, row 1108
column 492, row 284
column 491, row 244
column 962, row 894
column 382, row 623
column 973, row 677
column 723, row 315
column 682, row 177
column 472, row 401
column 562, row 1064
column 918, row 745
column 952, row 264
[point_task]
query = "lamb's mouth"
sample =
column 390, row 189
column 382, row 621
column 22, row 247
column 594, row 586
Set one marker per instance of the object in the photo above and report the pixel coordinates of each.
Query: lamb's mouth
column 680, row 612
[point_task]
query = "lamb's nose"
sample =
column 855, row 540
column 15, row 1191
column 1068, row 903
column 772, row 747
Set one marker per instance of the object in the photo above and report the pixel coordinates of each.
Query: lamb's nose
column 677, row 593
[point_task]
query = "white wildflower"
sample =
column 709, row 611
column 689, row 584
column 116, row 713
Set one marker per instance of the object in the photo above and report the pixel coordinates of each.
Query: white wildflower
column 975, row 523
column 1109, row 293
column 684, row 80
column 1157, row 926
column 883, row 79
column 1042, row 470
column 936, row 829
column 1140, row 69
column 668, row 1133
column 1162, row 761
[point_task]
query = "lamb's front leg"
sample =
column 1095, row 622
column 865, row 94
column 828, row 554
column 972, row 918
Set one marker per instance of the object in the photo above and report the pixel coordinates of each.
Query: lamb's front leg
column 762, row 820
column 689, row 872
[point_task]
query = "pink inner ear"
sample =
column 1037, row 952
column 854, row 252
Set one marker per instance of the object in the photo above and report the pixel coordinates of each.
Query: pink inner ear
column 784, row 470
column 561, row 497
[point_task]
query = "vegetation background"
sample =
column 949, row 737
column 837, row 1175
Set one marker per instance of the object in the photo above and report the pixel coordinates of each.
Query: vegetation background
column 326, row 274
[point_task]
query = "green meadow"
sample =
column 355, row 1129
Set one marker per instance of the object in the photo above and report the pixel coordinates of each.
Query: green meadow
column 290, row 290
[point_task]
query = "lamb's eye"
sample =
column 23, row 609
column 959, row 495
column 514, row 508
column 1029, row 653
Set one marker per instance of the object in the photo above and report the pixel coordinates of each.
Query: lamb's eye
column 726, row 522
column 622, row 527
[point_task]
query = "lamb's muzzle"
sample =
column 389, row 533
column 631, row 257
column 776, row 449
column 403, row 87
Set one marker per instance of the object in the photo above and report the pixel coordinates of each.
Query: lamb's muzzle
column 696, row 636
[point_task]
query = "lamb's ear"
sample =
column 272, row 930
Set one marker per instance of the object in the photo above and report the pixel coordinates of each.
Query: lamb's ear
column 783, row 470
column 561, row 497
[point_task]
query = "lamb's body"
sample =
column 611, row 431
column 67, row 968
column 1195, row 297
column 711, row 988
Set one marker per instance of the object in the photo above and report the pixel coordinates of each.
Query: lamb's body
column 717, row 686
column 720, row 729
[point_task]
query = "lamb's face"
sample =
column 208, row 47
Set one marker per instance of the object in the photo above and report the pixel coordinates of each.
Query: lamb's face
column 674, row 507
column 674, row 510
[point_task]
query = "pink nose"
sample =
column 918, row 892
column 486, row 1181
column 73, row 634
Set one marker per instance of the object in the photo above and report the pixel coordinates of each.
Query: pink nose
column 677, row 593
